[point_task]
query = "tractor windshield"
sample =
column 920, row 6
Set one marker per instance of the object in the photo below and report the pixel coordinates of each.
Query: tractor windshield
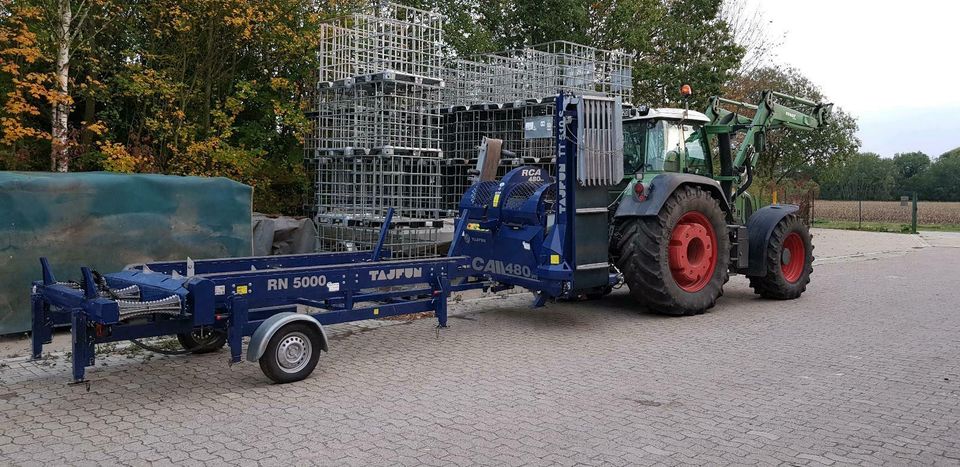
column 658, row 146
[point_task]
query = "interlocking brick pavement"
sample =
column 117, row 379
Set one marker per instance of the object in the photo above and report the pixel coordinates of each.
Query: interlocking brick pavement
column 862, row 370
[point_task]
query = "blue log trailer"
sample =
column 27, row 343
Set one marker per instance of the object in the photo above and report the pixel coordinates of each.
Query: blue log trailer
column 562, row 236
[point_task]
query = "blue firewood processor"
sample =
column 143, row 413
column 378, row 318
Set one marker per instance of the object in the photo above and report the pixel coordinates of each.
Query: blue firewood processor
column 649, row 206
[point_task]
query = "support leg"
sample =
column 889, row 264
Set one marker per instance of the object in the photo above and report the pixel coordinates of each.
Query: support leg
column 40, row 328
column 238, row 321
column 440, row 301
column 539, row 300
column 84, row 351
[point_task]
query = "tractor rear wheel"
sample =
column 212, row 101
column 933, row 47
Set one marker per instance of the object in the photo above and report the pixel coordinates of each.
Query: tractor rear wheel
column 789, row 261
column 676, row 262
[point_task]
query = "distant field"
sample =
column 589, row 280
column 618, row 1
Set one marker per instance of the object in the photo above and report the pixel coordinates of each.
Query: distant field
column 886, row 215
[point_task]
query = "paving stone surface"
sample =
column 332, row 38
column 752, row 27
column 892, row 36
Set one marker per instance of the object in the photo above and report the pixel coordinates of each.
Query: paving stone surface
column 863, row 369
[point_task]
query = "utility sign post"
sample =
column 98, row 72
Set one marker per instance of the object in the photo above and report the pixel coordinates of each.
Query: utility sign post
column 913, row 221
column 906, row 201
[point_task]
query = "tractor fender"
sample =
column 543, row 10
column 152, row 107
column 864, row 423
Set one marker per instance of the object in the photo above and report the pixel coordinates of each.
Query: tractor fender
column 660, row 189
column 261, row 337
column 759, row 229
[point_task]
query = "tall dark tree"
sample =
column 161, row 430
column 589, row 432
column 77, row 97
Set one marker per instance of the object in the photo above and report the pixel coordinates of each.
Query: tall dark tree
column 690, row 44
column 910, row 166
column 941, row 182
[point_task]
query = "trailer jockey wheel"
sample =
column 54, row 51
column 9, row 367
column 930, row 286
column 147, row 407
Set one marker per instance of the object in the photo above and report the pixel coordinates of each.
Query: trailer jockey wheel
column 202, row 340
column 292, row 353
column 789, row 261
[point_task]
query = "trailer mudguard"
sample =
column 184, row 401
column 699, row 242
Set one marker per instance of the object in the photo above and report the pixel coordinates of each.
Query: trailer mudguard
column 759, row 228
column 261, row 337
column 660, row 189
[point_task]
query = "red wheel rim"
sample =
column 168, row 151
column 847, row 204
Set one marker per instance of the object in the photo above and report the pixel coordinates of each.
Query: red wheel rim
column 693, row 251
column 793, row 257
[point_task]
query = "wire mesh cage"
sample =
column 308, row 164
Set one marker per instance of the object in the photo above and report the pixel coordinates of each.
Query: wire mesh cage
column 540, row 70
column 366, row 185
column 378, row 111
column 382, row 37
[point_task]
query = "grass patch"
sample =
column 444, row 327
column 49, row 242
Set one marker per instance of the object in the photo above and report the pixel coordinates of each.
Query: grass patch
column 894, row 227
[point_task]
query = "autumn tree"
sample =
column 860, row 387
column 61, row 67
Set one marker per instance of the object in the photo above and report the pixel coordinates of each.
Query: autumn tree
column 24, row 86
column 49, row 31
column 65, row 27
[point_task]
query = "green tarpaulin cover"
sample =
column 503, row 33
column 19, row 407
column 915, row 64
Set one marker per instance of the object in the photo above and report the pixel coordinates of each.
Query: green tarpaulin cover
column 107, row 221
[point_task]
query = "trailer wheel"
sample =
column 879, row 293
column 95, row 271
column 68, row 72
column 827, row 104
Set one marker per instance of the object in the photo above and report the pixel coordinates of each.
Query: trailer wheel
column 202, row 341
column 789, row 261
column 675, row 263
column 292, row 353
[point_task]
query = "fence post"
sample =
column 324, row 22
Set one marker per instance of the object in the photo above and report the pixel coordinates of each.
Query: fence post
column 913, row 224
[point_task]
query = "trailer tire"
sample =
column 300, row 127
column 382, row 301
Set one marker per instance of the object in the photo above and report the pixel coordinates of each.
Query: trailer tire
column 668, row 271
column 197, row 342
column 292, row 353
column 786, row 278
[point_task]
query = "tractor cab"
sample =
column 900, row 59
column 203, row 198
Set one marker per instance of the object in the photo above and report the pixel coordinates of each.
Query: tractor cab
column 663, row 140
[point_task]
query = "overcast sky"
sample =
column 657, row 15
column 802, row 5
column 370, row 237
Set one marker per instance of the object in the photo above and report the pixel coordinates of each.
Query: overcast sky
column 893, row 64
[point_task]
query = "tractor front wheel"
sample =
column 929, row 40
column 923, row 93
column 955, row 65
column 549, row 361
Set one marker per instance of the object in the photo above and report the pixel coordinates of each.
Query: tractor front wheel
column 789, row 261
column 676, row 262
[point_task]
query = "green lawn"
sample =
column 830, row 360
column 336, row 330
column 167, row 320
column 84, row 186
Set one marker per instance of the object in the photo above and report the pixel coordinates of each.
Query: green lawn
column 882, row 226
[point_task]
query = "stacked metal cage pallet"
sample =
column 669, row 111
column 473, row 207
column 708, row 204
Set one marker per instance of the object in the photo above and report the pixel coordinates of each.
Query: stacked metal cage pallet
column 395, row 126
column 538, row 71
column 524, row 126
column 502, row 96
column 375, row 135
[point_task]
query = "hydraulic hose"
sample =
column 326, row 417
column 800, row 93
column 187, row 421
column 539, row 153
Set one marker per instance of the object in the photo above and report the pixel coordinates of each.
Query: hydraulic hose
column 746, row 185
column 161, row 351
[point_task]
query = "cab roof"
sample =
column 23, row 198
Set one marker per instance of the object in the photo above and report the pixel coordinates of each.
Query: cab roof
column 646, row 113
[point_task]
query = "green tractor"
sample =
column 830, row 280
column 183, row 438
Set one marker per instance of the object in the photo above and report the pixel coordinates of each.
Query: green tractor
column 683, row 220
